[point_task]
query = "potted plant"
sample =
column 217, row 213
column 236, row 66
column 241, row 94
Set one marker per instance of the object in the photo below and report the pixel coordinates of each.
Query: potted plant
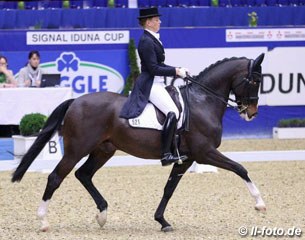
column 30, row 125
column 290, row 128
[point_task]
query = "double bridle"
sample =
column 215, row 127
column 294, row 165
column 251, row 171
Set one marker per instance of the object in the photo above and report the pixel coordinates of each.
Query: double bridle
column 251, row 82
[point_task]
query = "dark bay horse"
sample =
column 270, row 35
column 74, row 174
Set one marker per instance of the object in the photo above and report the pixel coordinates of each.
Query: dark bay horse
column 92, row 127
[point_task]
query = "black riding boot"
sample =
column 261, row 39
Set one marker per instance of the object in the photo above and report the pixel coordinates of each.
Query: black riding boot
column 167, row 136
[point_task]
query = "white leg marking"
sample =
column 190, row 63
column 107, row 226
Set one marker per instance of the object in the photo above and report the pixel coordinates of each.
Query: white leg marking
column 260, row 205
column 42, row 214
column 101, row 218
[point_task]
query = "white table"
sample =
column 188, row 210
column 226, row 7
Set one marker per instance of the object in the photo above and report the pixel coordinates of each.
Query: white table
column 16, row 102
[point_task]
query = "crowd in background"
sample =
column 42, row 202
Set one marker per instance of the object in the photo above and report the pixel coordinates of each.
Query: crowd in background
column 83, row 4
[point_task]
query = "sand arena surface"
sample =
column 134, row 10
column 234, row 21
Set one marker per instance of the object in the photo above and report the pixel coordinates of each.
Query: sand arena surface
column 204, row 206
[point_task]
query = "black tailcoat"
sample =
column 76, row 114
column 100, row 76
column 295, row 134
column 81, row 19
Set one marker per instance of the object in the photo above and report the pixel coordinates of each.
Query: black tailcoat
column 152, row 58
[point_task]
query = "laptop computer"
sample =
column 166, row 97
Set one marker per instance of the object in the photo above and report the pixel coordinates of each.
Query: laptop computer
column 50, row 80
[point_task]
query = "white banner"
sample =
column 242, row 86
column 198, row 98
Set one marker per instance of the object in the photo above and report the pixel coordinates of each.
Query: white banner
column 76, row 37
column 265, row 35
column 283, row 68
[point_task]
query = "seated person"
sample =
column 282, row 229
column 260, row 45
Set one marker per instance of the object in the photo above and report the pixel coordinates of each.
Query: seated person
column 6, row 76
column 30, row 75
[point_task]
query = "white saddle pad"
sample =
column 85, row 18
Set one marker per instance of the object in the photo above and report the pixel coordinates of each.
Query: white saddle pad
column 148, row 118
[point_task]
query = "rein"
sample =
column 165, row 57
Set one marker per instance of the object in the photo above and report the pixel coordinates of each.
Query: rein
column 213, row 93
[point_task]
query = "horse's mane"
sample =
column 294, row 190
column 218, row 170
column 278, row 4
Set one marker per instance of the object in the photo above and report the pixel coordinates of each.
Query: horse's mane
column 207, row 69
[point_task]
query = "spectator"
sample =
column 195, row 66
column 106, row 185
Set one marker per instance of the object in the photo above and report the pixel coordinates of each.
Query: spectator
column 30, row 75
column 6, row 76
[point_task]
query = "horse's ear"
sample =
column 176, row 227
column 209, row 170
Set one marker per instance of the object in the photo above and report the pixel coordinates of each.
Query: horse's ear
column 258, row 61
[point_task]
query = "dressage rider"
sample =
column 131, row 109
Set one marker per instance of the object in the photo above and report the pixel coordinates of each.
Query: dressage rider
column 150, row 85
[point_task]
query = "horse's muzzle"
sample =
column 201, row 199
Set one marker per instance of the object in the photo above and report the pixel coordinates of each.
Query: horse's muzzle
column 249, row 112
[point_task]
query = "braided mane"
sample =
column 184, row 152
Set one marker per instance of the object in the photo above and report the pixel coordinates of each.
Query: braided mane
column 207, row 69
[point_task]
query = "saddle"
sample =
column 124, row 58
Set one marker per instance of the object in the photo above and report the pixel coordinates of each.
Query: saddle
column 153, row 118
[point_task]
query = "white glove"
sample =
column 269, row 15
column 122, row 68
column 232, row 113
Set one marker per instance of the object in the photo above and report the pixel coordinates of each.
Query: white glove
column 183, row 72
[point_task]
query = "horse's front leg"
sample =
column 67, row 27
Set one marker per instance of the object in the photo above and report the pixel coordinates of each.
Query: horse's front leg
column 172, row 182
column 215, row 158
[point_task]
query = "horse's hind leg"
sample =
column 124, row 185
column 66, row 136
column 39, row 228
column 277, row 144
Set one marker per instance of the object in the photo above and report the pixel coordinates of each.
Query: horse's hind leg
column 217, row 159
column 85, row 173
column 63, row 168
column 172, row 182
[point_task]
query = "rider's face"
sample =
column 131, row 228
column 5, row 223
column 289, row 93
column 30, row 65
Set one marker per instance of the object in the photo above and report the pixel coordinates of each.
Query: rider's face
column 153, row 24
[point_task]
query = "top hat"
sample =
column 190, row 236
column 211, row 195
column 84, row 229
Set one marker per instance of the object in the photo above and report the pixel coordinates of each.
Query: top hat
column 148, row 13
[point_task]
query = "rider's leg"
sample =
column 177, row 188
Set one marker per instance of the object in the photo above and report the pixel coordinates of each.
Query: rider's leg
column 161, row 99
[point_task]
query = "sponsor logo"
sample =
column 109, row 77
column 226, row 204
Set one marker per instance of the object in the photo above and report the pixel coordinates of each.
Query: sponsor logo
column 76, row 37
column 265, row 35
column 83, row 76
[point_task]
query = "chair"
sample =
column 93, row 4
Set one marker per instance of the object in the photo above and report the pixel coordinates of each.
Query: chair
column 194, row 3
column 283, row 2
column 87, row 4
column 76, row 4
column 183, row 3
column 260, row 3
column 223, row 3
column 49, row 4
column 271, row 2
column 9, row 5
column 204, row 3
column 161, row 3
column 237, row 3
column 301, row 2
column 294, row 3
column 121, row 3
column 100, row 3
column 172, row 3
column 31, row 5
column 143, row 3
column 251, row 3
column 158, row 3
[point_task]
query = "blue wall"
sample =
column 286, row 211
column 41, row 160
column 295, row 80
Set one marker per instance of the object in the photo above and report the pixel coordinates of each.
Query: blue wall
column 171, row 17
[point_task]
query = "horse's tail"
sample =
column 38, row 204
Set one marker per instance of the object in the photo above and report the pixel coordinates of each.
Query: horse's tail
column 52, row 124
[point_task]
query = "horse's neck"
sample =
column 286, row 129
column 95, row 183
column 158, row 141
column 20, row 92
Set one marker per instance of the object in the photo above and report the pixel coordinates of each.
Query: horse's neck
column 220, row 77
column 219, row 81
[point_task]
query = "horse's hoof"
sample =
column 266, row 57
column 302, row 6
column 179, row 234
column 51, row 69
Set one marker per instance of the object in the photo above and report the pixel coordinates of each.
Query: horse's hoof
column 44, row 226
column 261, row 208
column 45, row 229
column 167, row 229
column 101, row 218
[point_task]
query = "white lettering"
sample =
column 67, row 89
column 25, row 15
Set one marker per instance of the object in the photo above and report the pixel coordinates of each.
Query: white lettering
column 77, row 37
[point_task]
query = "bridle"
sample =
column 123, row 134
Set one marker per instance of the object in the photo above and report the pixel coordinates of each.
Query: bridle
column 251, row 82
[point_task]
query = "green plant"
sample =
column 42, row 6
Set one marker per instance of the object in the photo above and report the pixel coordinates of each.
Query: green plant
column 134, row 69
column 66, row 4
column 20, row 5
column 215, row 3
column 293, row 122
column 31, row 124
column 111, row 3
column 253, row 19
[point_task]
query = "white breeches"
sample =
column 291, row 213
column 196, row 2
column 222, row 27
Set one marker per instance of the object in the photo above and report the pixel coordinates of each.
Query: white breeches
column 162, row 100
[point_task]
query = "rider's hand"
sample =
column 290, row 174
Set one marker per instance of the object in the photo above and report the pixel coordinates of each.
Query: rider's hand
column 182, row 72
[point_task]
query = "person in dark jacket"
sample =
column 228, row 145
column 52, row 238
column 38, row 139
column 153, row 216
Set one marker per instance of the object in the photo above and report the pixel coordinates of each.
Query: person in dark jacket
column 150, row 85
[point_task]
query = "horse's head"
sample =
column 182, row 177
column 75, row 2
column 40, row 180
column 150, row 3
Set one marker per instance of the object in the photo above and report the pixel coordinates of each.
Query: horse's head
column 245, row 89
